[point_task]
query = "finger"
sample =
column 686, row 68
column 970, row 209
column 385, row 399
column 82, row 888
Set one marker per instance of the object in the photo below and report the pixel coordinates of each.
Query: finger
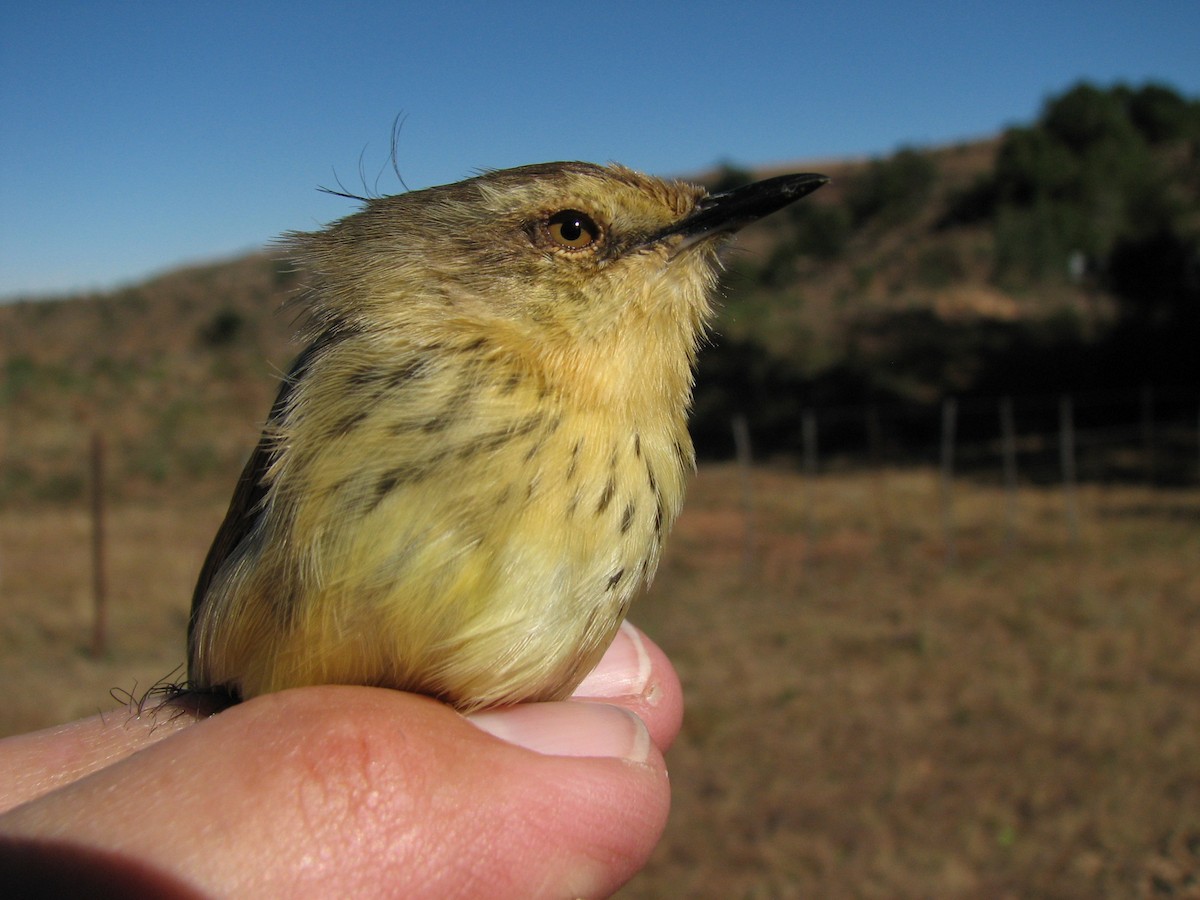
column 635, row 674
column 360, row 791
column 42, row 761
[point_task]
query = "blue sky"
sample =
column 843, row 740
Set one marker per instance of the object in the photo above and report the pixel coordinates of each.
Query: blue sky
column 135, row 136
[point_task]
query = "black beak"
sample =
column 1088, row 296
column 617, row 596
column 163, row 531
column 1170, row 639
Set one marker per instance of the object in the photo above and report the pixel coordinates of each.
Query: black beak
column 734, row 209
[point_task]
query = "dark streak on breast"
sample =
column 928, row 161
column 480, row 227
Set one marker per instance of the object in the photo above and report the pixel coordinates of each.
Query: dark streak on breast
column 606, row 495
column 627, row 517
column 571, row 469
column 344, row 426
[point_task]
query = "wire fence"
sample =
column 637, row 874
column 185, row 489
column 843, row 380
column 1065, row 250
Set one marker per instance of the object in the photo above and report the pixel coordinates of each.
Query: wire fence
column 1136, row 435
column 1139, row 436
column 1144, row 435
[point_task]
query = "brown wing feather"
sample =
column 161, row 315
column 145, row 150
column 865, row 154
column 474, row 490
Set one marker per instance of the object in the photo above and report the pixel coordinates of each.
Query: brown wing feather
column 246, row 506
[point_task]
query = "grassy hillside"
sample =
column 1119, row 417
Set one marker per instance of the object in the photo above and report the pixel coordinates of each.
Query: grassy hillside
column 1064, row 255
column 1061, row 255
column 176, row 373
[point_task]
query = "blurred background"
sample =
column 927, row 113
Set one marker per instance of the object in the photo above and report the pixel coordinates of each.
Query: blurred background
column 935, row 594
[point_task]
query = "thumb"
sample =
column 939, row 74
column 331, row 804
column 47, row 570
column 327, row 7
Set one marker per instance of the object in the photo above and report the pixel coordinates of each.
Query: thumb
column 353, row 791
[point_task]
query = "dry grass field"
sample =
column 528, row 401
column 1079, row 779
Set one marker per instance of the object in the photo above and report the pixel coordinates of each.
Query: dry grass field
column 864, row 722
column 862, row 719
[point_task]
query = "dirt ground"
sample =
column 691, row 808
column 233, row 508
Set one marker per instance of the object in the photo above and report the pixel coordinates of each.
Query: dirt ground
column 864, row 718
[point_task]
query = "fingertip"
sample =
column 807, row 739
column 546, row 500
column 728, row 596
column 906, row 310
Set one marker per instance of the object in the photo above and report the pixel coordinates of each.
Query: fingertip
column 570, row 729
column 625, row 670
column 636, row 674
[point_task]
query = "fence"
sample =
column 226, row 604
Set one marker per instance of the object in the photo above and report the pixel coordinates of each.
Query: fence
column 1140, row 434
column 1144, row 436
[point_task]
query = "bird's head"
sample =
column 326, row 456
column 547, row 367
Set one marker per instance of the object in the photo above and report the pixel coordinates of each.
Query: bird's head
column 568, row 261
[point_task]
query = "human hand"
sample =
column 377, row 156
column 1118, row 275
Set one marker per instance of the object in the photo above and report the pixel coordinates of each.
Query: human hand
column 350, row 791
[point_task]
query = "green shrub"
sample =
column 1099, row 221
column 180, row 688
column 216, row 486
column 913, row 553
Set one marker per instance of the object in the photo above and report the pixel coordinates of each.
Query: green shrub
column 893, row 189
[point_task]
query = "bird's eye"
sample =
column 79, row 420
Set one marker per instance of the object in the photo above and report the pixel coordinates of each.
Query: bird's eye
column 572, row 229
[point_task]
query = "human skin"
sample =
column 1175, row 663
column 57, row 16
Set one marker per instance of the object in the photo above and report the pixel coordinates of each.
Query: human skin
column 352, row 791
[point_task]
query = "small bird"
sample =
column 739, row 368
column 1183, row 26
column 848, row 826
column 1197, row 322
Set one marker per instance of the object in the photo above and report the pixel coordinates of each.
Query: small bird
column 469, row 472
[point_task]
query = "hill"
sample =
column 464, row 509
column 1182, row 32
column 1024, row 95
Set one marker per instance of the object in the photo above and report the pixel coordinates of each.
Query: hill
column 1060, row 255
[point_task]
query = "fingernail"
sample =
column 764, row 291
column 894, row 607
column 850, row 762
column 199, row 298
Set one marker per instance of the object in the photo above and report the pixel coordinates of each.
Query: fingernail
column 623, row 671
column 569, row 729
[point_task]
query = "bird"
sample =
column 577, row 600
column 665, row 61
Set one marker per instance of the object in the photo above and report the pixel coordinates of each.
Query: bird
column 470, row 470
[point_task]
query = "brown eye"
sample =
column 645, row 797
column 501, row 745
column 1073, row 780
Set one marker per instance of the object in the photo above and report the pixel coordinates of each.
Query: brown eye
column 572, row 229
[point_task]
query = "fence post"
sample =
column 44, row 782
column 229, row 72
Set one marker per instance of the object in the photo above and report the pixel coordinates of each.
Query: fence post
column 879, row 480
column 949, row 422
column 1008, row 453
column 741, row 442
column 1148, row 449
column 1066, row 446
column 808, row 434
column 99, row 550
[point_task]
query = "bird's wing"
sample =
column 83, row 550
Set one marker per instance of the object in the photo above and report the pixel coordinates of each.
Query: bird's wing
column 246, row 506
